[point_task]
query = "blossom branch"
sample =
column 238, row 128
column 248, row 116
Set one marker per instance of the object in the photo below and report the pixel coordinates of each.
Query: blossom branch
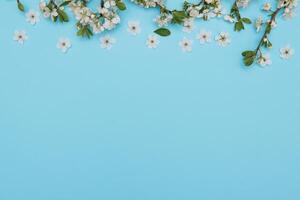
column 250, row 56
column 106, row 17
column 204, row 9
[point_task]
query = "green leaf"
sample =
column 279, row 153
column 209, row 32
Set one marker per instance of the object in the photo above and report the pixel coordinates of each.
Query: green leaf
column 80, row 32
column 85, row 31
column 65, row 3
column 63, row 17
column 55, row 18
column 249, row 57
column 249, row 61
column 246, row 20
column 89, row 33
column 21, row 7
column 178, row 16
column 248, row 53
column 163, row 32
column 238, row 26
column 121, row 5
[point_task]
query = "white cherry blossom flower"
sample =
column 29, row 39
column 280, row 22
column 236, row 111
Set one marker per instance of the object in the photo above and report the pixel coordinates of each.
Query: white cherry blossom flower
column 108, row 24
column 97, row 28
column 107, row 42
column 32, row 17
column 219, row 11
column 116, row 20
column 223, row 39
column 286, row 52
column 186, row 45
column 258, row 23
column 206, row 14
column 109, row 3
column 243, row 3
column 228, row 18
column 267, row 7
column 209, row 1
column 64, row 44
column 53, row 13
column 204, row 37
column 163, row 19
column 134, row 27
column 289, row 3
column 44, row 9
column 288, row 13
column 193, row 12
column 264, row 60
column 188, row 25
column 152, row 41
column 20, row 36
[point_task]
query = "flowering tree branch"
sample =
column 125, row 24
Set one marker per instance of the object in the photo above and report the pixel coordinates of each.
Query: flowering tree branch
column 250, row 56
column 106, row 17
column 204, row 9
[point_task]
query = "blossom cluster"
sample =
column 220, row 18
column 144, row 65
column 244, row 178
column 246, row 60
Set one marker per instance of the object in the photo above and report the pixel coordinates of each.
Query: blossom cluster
column 106, row 16
column 89, row 22
column 284, row 7
column 205, row 10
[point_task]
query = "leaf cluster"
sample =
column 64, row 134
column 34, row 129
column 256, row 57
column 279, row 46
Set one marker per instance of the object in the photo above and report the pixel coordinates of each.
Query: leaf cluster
column 240, row 21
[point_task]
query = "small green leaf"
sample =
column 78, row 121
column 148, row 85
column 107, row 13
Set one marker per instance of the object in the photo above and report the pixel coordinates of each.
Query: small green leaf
column 65, row 3
column 238, row 26
column 63, row 17
column 54, row 18
column 80, row 32
column 178, row 16
column 89, row 33
column 85, row 31
column 249, row 61
column 248, row 53
column 246, row 20
column 121, row 5
column 249, row 57
column 163, row 32
column 21, row 7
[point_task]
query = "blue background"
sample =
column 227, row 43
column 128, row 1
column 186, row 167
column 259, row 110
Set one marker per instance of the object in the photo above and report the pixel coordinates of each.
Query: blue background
column 139, row 124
